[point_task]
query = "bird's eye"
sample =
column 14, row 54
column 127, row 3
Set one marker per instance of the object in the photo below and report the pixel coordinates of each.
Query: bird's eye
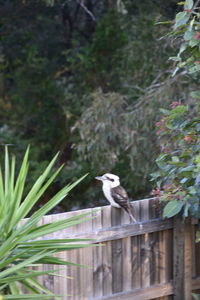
column 110, row 179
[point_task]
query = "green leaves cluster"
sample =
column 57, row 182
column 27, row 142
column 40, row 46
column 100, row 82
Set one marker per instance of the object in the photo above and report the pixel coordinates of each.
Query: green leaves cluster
column 19, row 249
column 187, row 29
column 178, row 178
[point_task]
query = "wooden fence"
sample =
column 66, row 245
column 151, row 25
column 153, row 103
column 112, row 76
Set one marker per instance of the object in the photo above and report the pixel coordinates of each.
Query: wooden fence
column 152, row 259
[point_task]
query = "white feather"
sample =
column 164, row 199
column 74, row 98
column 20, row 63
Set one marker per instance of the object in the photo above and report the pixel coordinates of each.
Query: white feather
column 107, row 193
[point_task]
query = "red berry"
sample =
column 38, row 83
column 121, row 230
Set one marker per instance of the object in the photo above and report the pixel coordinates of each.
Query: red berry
column 175, row 104
column 188, row 139
column 196, row 36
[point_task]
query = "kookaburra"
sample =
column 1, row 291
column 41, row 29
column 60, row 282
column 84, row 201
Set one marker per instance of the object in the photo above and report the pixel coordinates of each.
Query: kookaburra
column 115, row 193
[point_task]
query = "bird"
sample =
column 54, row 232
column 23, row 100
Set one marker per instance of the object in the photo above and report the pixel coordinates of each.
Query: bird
column 115, row 193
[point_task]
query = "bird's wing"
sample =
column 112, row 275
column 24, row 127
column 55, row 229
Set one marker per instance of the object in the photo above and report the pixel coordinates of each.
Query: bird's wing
column 120, row 197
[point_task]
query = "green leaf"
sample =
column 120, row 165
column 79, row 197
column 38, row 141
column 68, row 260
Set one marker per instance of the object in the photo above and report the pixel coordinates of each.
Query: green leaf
column 188, row 35
column 188, row 4
column 35, row 192
column 165, row 111
column 181, row 19
column 195, row 296
column 24, row 263
column 195, row 94
column 193, row 43
column 184, row 180
column 172, row 208
column 175, row 159
column 183, row 47
column 29, row 297
column 186, row 169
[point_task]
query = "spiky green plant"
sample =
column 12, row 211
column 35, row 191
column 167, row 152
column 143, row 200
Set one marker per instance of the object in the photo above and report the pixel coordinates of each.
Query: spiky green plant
column 19, row 248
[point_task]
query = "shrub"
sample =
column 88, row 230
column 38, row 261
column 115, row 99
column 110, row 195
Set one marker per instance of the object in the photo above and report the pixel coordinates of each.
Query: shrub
column 19, row 248
column 178, row 178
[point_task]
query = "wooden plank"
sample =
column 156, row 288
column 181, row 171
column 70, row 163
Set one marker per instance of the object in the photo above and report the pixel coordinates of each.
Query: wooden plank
column 107, row 254
column 154, row 212
column 145, row 248
column 147, row 293
column 133, row 229
column 136, row 242
column 74, row 285
column 167, row 273
column 196, row 283
column 97, row 258
column 117, row 273
column 197, row 255
column 126, row 257
column 182, row 259
column 155, row 291
column 188, row 259
column 178, row 258
column 86, row 259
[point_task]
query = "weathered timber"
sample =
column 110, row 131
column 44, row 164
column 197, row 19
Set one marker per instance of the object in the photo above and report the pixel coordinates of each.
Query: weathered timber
column 152, row 292
column 158, row 290
column 135, row 260
column 126, row 230
column 182, row 259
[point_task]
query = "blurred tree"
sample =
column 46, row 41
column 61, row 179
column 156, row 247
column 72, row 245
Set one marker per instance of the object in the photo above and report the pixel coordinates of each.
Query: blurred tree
column 87, row 78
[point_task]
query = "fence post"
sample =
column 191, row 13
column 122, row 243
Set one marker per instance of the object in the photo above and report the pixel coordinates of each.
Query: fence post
column 182, row 270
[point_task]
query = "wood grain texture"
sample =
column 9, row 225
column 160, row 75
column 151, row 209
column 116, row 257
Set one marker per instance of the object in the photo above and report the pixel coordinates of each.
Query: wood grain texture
column 142, row 260
column 143, row 293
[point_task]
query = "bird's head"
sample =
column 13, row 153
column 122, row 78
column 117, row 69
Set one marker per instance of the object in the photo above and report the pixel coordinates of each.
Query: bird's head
column 110, row 180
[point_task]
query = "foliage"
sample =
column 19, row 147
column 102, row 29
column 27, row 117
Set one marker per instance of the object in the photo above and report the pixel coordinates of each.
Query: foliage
column 179, row 128
column 100, row 61
column 187, row 29
column 195, row 296
column 100, row 129
column 21, row 244
column 179, row 162
column 55, row 57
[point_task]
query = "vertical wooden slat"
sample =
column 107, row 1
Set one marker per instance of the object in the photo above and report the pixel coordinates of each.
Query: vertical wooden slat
column 188, row 260
column 97, row 259
column 74, row 285
column 116, row 253
column 136, row 252
column 182, row 259
column 58, row 288
column 145, row 248
column 126, row 257
column 197, row 255
column 107, row 254
column 70, row 256
column 154, row 245
column 86, row 274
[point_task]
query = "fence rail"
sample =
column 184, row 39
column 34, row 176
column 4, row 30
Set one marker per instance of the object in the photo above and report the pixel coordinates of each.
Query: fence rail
column 143, row 260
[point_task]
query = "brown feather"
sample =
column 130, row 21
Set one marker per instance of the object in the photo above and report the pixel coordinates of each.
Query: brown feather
column 120, row 196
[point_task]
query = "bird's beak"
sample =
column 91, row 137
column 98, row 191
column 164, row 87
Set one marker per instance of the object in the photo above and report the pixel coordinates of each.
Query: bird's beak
column 99, row 178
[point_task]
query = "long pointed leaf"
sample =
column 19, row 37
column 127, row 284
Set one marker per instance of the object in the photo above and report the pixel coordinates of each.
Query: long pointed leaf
column 53, row 227
column 39, row 287
column 29, row 297
column 33, row 273
column 19, row 188
column 24, row 263
column 53, row 202
column 31, row 198
column 6, row 172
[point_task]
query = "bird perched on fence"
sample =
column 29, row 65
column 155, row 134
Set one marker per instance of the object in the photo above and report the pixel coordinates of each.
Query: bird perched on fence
column 115, row 193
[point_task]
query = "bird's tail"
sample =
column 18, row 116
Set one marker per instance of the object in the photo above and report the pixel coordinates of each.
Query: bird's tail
column 131, row 215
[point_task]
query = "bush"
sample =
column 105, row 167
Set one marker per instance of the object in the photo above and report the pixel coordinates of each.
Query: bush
column 19, row 248
column 178, row 180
